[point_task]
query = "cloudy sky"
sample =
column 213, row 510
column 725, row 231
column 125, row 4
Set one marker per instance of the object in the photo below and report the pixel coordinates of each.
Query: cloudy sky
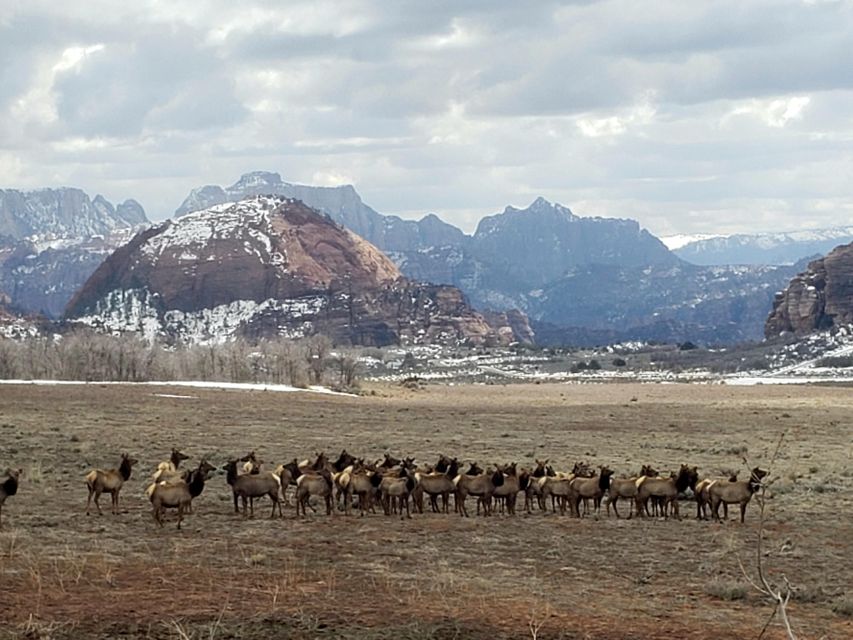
column 720, row 116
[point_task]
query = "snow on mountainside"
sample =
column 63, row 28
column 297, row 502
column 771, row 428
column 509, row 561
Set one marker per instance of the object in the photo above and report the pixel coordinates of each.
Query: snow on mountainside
column 51, row 240
column 342, row 204
column 782, row 248
column 678, row 241
column 594, row 277
column 269, row 266
column 64, row 213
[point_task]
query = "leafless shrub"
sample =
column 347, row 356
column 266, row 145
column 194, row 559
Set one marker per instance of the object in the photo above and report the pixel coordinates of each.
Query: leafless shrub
column 93, row 357
column 727, row 589
column 778, row 594
column 843, row 606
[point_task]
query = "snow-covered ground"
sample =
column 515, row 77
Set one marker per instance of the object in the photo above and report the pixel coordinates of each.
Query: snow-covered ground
column 196, row 384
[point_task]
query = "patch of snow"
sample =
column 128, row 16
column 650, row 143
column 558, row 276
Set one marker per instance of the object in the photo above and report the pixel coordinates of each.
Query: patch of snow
column 679, row 240
column 136, row 311
column 197, row 384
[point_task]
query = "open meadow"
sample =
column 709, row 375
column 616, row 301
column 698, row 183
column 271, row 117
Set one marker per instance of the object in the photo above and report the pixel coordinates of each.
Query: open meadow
column 66, row 575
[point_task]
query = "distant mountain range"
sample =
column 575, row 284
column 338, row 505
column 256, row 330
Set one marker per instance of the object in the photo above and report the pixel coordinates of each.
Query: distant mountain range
column 272, row 266
column 759, row 249
column 579, row 279
column 51, row 240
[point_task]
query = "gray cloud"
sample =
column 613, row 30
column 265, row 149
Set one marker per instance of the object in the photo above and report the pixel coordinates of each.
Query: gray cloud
column 699, row 116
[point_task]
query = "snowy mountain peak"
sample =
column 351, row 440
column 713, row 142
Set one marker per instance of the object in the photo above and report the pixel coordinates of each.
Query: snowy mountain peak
column 257, row 179
column 781, row 248
column 269, row 265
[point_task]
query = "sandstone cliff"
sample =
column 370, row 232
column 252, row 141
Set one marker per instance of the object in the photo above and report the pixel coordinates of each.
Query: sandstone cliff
column 268, row 266
column 818, row 298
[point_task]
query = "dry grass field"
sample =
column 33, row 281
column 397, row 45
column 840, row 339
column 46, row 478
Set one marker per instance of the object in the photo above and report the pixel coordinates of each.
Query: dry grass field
column 66, row 575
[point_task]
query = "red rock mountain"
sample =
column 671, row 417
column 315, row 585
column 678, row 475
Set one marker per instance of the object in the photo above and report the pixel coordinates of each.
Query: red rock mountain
column 819, row 298
column 270, row 266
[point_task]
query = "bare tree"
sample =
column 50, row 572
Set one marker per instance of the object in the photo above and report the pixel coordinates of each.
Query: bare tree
column 778, row 594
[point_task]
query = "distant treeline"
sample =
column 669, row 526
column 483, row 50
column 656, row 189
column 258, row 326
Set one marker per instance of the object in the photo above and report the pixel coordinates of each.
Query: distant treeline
column 97, row 357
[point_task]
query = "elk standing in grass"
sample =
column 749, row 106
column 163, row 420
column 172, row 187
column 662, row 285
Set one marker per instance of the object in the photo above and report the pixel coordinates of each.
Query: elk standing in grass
column 513, row 483
column 739, row 492
column 314, row 483
column 109, row 481
column 482, row 486
column 179, row 494
column 627, row 488
column 437, row 483
column 249, row 486
column 667, row 489
column 395, row 491
column 361, row 485
column 9, row 487
column 590, row 489
column 703, row 496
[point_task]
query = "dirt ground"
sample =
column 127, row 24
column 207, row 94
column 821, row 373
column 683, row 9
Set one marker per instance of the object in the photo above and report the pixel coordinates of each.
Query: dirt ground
column 63, row 574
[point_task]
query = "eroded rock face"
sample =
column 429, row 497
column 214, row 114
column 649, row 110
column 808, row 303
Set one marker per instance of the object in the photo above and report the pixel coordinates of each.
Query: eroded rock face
column 818, row 298
column 51, row 240
column 269, row 266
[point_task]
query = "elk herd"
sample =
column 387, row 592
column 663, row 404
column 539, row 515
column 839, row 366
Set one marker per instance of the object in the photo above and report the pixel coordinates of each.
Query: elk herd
column 400, row 486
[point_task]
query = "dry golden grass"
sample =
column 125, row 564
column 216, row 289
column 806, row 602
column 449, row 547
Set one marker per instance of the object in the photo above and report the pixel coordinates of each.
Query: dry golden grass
column 63, row 574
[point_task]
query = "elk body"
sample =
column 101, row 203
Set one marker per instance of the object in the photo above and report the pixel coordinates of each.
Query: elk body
column 9, row 487
column 248, row 486
column 627, row 488
column 514, row 482
column 179, row 495
column 739, row 492
column 483, row 486
column 438, row 483
column 703, row 496
column 590, row 489
column 314, row 483
column 109, row 481
column 395, row 492
column 666, row 489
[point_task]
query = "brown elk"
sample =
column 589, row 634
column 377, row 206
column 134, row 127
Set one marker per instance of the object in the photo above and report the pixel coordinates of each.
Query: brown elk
column 534, row 486
column 9, row 487
column 482, row 485
column 361, row 484
column 738, row 492
column 179, row 495
column 667, row 489
column 110, row 481
column 590, row 489
column 250, row 485
column 703, row 497
column 513, row 483
column 627, row 488
column 251, row 463
column 438, row 483
column 314, row 483
column 395, row 491
column 171, row 465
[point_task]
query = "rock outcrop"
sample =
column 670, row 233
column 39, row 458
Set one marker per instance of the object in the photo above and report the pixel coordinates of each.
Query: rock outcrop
column 818, row 298
column 51, row 240
column 269, row 266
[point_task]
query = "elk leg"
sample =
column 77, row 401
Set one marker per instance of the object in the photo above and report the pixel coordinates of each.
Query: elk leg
column 742, row 512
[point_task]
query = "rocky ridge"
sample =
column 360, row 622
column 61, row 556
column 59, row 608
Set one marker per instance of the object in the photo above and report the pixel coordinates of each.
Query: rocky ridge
column 819, row 298
column 267, row 266
column 51, row 240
